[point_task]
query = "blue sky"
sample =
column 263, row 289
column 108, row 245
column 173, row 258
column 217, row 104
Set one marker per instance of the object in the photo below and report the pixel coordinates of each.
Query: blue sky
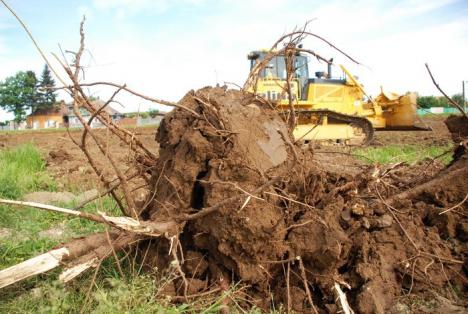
column 164, row 48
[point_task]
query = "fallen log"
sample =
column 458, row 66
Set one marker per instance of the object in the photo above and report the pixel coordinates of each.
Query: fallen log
column 83, row 253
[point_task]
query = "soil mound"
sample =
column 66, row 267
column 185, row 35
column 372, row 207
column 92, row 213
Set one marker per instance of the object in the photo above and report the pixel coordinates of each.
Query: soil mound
column 258, row 209
column 458, row 127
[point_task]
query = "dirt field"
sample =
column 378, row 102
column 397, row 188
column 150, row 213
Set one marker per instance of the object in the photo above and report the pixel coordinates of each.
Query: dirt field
column 69, row 165
column 66, row 162
column 439, row 135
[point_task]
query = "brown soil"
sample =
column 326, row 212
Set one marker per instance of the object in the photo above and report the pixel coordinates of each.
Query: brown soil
column 335, row 223
column 67, row 163
column 439, row 134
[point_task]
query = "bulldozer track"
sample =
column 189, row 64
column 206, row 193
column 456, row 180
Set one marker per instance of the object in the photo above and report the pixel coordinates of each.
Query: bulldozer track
column 362, row 123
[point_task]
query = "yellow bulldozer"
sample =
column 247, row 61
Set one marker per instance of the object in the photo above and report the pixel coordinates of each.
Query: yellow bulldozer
column 328, row 108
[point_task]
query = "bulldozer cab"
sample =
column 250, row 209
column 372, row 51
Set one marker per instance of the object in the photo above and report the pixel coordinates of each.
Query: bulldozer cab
column 275, row 71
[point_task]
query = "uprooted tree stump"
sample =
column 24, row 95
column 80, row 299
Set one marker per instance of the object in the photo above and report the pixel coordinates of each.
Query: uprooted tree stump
column 232, row 198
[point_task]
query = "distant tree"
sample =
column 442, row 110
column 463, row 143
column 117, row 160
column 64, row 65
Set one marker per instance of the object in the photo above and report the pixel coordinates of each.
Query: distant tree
column 18, row 93
column 432, row 101
column 47, row 97
column 458, row 98
column 443, row 102
column 427, row 102
column 153, row 112
column 144, row 115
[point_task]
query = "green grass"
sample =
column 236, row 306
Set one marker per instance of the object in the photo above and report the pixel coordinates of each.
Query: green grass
column 22, row 169
column 403, row 153
column 110, row 294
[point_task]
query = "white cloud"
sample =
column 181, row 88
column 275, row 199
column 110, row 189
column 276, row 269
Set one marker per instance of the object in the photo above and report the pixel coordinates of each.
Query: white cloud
column 166, row 64
column 170, row 59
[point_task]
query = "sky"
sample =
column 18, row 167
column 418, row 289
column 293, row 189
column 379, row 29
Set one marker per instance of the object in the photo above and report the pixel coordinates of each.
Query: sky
column 164, row 48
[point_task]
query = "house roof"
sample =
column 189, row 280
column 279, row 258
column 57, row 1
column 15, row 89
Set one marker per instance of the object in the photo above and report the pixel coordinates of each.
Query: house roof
column 57, row 109
column 98, row 104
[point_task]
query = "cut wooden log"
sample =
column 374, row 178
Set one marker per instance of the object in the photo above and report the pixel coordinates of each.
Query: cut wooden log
column 81, row 254
column 34, row 266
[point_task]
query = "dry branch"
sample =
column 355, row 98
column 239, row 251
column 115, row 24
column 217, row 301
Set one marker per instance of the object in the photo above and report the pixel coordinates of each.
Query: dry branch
column 341, row 296
column 440, row 181
column 148, row 228
column 454, row 103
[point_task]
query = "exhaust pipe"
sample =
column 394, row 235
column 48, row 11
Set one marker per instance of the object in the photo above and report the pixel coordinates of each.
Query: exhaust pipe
column 329, row 70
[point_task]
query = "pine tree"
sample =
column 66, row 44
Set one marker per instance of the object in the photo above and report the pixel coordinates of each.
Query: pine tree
column 47, row 96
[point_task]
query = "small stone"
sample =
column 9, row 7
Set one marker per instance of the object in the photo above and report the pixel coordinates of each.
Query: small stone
column 358, row 209
column 383, row 221
column 365, row 223
column 346, row 215
column 86, row 195
column 400, row 308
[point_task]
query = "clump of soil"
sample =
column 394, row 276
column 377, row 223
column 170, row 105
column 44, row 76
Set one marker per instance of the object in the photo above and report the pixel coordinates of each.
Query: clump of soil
column 59, row 155
column 275, row 210
column 458, row 127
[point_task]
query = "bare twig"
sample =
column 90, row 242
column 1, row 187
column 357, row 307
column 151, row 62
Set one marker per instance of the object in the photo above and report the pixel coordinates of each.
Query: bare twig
column 343, row 300
column 131, row 91
column 455, row 104
column 455, row 206
column 306, row 285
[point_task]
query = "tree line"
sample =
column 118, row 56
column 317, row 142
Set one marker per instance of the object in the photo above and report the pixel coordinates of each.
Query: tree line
column 432, row 101
column 23, row 92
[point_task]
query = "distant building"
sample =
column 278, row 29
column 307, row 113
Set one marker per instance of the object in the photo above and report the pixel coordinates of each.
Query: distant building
column 72, row 121
column 62, row 115
column 13, row 125
column 47, row 118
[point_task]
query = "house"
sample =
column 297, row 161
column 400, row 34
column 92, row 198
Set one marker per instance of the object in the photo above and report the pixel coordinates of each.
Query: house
column 62, row 115
column 45, row 118
column 72, row 121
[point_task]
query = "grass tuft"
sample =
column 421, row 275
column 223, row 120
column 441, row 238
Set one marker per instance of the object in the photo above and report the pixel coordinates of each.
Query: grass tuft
column 403, row 153
column 22, row 169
